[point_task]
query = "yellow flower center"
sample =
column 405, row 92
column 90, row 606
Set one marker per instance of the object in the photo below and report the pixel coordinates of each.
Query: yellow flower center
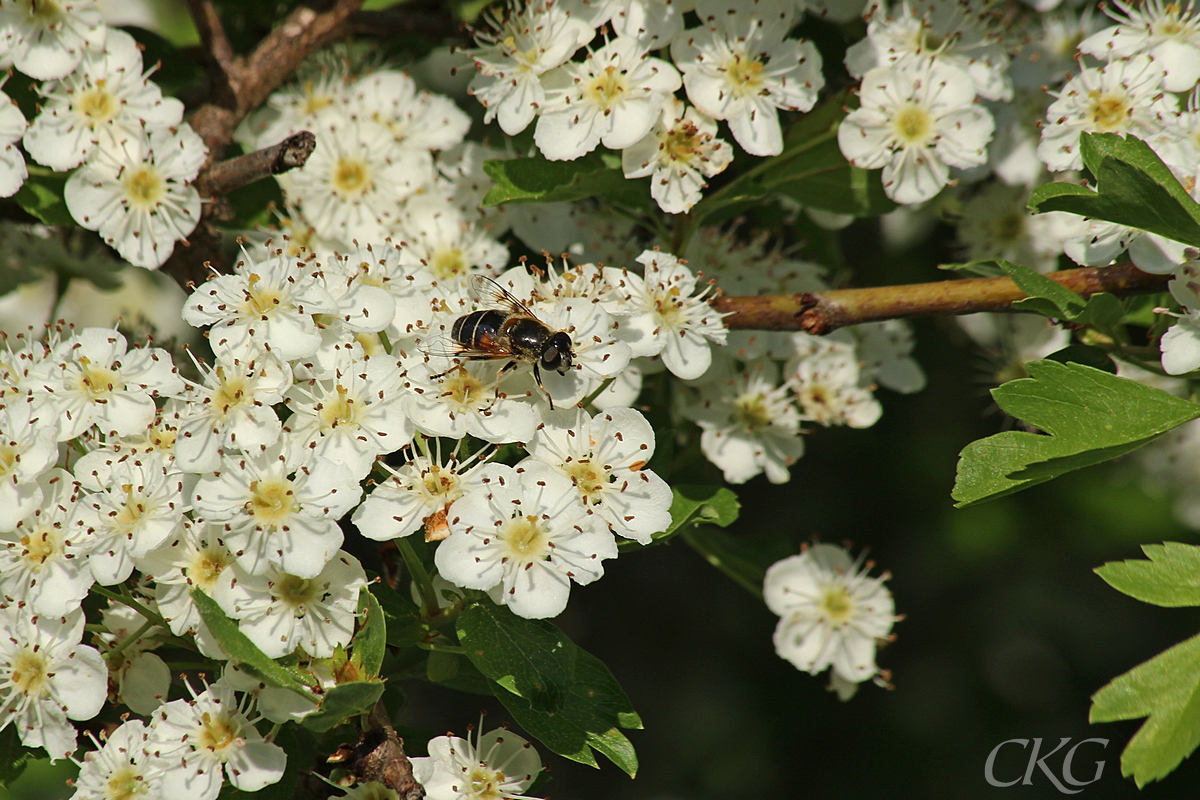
column 745, row 74
column 39, row 547
column 339, row 411
column 751, row 412
column 95, row 381
column 261, row 300
column 608, row 87
column 350, row 177
column 272, row 501
column 124, row 784
column 8, row 459
column 1110, row 112
column 97, row 104
column 837, row 606
column 296, row 592
column 29, row 673
column 527, row 540
column 133, row 511
column 913, row 125
column 230, row 394
column 145, row 188
column 447, row 262
column 206, row 567
column 219, row 734
column 589, row 478
column 486, row 784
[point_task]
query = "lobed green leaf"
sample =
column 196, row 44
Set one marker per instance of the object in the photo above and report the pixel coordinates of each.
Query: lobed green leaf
column 1165, row 690
column 1089, row 415
column 1133, row 187
column 557, row 691
column 1171, row 576
column 537, row 180
column 694, row 505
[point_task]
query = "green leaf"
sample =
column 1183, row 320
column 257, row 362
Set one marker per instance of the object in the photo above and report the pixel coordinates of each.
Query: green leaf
column 537, row 180
column 694, row 505
column 1051, row 299
column 1170, row 578
column 13, row 755
column 736, row 556
column 1133, row 187
column 42, row 196
column 557, row 691
column 530, row 658
column 342, row 702
column 370, row 643
column 1083, row 354
column 403, row 619
column 241, row 651
column 1090, row 416
column 1166, row 690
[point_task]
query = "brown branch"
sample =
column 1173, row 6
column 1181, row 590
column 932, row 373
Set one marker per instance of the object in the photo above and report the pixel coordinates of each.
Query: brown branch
column 238, row 87
column 823, row 312
column 228, row 175
column 212, row 33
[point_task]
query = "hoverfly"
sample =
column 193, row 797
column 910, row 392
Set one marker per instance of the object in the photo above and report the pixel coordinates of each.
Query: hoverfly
column 505, row 328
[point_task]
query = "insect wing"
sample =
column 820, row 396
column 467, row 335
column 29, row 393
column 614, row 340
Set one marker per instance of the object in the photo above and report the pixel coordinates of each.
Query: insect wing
column 492, row 295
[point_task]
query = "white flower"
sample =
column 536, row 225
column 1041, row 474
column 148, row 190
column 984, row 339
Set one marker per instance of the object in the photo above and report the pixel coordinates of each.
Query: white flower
column 47, row 39
column 280, row 612
column 356, row 179
column 421, row 492
column 468, row 402
column 44, row 557
column 749, row 424
column 209, row 738
column 232, row 408
column 1168, row 31
column 129, row 507
column 953, row 32
column 530, row 41
column 666, row 314
column 498, row 765
column 440, row 245
column 916, row 122
column 103, row 103
column 318, row 96
column 418, row 119
column 996, row 223
column 739, row 68
column 605, row 457
column 1181, row 343
column 614, row 96
column 678, row 154
column 1124, row 96
column 279, row 508
column 598, row 352
column 524, row 537
column 827, row 384
column 28, row 447
column 352, row 413
column 94, row 379
column 832, row 613
column 193, row 560
column 266, row 304
column 47, row 677
column 121, row 767
column 885, row 352
column 13, row 171
column 138, row 196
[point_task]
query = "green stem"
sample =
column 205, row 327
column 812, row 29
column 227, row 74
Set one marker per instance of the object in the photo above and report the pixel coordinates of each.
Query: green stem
column 715, row 557
column 126, row 600
column 139, row 633
column 385, row 341
column 420, row 576
column 591, row 398
column 442, row 648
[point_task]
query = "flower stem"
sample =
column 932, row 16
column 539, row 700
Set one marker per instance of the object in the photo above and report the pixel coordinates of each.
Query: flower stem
column 139, row 633
column 420, row 576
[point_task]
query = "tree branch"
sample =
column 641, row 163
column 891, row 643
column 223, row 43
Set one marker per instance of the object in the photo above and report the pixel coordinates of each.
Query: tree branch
column 228, row 175
column 822, row 312
column 238, row 87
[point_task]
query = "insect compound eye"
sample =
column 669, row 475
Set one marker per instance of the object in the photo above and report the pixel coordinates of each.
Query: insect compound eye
column 558, row 354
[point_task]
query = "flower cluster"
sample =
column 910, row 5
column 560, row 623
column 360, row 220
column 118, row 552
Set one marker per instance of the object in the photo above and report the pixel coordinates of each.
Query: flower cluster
column 539, row 61
column 131, row 156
